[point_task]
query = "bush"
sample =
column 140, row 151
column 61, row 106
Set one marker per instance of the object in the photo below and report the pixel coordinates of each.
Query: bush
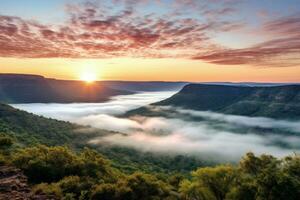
column 264, row 177
column 75, row 185
column 49, row 189
column 111, row 192
column 51, row 164
column 5, row 141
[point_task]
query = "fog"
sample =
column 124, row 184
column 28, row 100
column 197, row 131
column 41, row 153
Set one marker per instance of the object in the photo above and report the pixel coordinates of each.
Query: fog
column 210, row 135
column 73, row 111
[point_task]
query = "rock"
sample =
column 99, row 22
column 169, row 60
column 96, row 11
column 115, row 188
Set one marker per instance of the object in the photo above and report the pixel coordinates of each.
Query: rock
column 14, row 186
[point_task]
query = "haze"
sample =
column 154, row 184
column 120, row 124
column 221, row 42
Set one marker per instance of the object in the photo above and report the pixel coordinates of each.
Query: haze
column 219, row 137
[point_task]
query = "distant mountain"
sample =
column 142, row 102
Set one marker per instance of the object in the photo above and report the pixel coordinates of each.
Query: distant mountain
column 18, row 88
column 145, row 86
column 266, row 101
column 249, row 84
column 21, row 88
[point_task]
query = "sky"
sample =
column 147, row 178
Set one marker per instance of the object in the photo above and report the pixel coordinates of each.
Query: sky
column 171, row 40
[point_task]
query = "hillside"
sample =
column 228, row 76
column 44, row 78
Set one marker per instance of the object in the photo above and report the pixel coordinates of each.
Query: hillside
column 28, row 129
column 21, row 88
column 59, row 172
column 275, row 101
column 18, row 88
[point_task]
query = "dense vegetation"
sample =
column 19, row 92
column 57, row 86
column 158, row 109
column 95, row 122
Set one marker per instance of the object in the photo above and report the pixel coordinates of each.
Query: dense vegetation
column 87, row 175
column 275, row 102
column 73, row 172
column 130, row 160
column 29, row 129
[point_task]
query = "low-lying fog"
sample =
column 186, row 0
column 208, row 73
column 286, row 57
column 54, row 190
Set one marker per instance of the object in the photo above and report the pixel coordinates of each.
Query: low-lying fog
column 207, row 134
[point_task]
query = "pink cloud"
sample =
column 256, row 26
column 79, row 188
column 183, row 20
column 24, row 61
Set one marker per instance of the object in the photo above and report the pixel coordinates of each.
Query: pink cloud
column 282, row 50
column 93, row 32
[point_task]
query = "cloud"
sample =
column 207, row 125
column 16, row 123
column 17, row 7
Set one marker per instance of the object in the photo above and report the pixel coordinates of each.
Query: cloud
column 116, row 106
column 205, row 134
column 108, row 122
column 261, row 122
column 97, row 30
column 176, row 136
column 282, row 50
column 125, row 28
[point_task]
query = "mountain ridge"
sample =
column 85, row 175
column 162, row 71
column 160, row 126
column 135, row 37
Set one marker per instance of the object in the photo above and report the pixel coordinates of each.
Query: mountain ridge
column 19, row 88
column 275, row 102
column 27, row 88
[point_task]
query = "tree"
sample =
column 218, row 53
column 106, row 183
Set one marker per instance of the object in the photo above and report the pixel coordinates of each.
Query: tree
column 267, row 177
column 191, row 190
column 5, row 141
column 210, row 181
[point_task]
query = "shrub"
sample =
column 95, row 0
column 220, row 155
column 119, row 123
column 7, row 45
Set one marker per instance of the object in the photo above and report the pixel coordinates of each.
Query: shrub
column 51, row 164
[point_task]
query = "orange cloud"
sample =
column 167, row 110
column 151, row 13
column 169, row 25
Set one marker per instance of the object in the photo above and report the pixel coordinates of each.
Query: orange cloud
column 93, row 31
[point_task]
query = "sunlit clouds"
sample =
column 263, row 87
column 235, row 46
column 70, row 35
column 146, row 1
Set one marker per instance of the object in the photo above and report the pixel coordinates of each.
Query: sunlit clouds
column 151, row 29
column 227, row 41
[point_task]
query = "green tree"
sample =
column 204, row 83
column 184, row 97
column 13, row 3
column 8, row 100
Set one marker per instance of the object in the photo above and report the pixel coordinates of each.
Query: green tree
column 218, row 180
column 145, row 186
column 110, row 191
column 51, row 164
column 267, row 177
column 192, row 190
column 5, row 141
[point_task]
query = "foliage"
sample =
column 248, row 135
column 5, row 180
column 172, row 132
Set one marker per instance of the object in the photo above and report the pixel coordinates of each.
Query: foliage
column 49, row 189
column 5, row 141
column 275, row 102
column 27, row 129
column 32, row 129
column 48, row 164
column 69, row 175
column 85, row 174
column 136, row 186
column 130, row 160
column 260, row 178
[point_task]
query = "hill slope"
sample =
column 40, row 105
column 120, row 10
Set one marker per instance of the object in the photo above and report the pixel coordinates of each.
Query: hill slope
column 143, row 86
column 29, row 129
column 276, row 101
column 18, row 88
column 21, row 88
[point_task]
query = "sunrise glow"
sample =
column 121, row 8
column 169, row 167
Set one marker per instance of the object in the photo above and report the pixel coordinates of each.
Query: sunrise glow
column 245, row 41
column 88, row 77
column 149, row 99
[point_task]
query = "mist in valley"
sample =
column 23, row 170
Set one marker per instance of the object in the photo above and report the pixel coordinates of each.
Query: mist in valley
column 210, row 135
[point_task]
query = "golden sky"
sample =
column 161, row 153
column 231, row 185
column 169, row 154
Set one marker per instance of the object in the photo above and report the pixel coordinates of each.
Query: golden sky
column 147, row 69
column 237, row 41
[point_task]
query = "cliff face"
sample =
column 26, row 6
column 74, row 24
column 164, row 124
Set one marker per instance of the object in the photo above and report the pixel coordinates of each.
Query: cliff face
column 14, row 186
column 275, row 101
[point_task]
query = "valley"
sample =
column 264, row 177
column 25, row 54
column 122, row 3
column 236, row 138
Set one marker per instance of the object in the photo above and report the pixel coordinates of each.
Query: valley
column 146, row 137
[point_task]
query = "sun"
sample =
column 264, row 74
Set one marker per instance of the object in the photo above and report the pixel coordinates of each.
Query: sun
column 88, row 77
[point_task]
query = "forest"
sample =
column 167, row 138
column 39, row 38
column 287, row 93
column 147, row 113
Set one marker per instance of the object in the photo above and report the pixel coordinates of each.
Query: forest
column 57, row 161
column 86, row 174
